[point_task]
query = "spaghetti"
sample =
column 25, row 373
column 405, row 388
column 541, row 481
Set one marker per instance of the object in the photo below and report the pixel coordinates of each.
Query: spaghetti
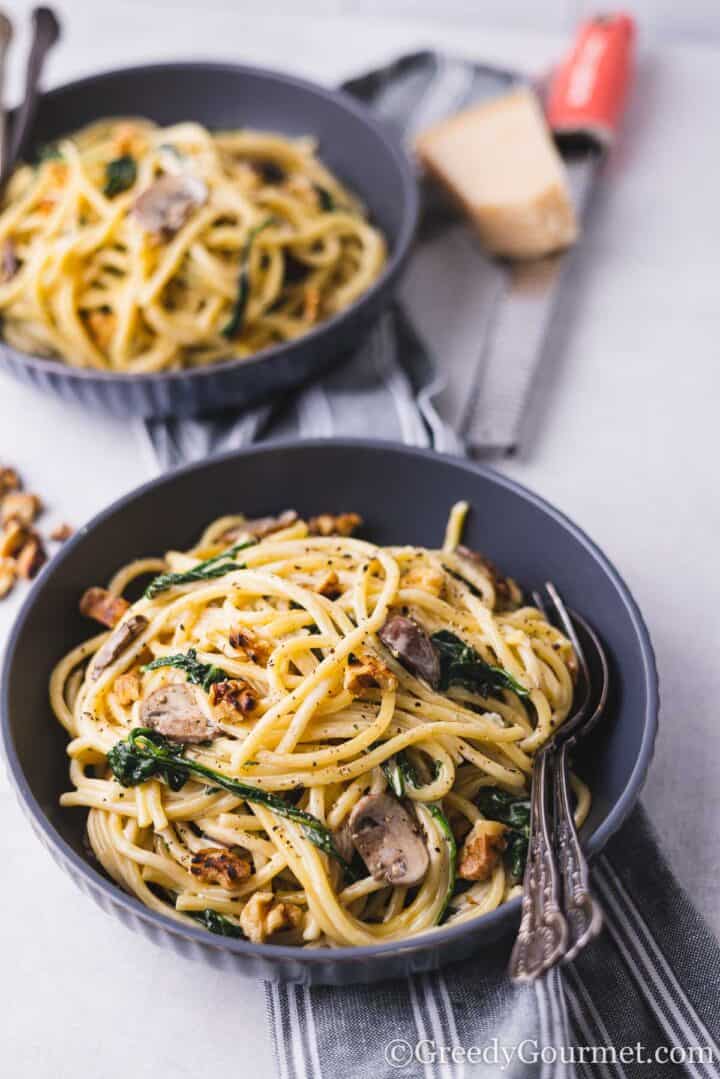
column 297, row 735
column 134, row 248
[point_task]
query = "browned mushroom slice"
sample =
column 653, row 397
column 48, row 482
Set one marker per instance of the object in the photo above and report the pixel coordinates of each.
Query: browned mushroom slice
column 103, row 606
column 174, row 712
column 412, row 647
column 388, row 840
column 117, row 642
column 262, row 526
column 507, row 594
column 164, row 207
column 9, row 261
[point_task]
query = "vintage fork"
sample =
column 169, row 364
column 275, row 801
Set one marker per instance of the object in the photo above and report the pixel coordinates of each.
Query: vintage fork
column 559, row 914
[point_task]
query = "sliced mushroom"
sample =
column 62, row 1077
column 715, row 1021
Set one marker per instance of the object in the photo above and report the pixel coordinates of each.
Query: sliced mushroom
column 164, row 207
column 343, row 840
column 262, row 526
column 117, row 642
column 507, row 593
column 412, row 647
column 174, row 711
column 9, row 262
column 388, row 840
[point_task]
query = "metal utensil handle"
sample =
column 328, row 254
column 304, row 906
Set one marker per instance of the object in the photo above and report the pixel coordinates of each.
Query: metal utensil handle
column 542, row 937
column 6, row 33
column 582, row 913
column 46, row 30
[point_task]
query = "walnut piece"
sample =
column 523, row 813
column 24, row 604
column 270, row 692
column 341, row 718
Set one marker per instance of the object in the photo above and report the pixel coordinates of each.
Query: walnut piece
column 481, row 850
column 31, row 558
column 13, row 538
column 8, row 575
column 128, row 687
column 329, row 585
column 103, row 606
column 233, row 695
column 61, row 533
column 217, row 865
column 428, row 578
column 326, row 524
column 20, row 506
column 9, row 481
column 255, row 648
column 367, row 671
column 264, row 915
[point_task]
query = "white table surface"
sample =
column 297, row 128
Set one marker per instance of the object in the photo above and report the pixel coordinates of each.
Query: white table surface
column 628, row 447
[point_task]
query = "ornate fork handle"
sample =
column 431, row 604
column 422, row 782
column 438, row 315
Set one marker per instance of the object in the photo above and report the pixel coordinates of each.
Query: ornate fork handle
column 584, row 916
column 542, row 937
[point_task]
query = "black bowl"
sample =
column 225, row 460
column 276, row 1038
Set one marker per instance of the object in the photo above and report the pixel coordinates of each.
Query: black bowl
column 351, row 142
column 404, row 495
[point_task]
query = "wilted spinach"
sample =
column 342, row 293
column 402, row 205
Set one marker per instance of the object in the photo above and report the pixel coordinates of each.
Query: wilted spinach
column 513, row 811
column 461, row 665
column 217, row 566
column 120, row 174
column 198, row 673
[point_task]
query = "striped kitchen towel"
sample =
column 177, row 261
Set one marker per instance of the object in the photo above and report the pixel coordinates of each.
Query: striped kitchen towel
column 641, row 1001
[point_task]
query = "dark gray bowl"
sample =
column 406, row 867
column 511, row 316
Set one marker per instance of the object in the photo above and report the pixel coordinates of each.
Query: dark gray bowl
column 351, row 142
column 404, row 495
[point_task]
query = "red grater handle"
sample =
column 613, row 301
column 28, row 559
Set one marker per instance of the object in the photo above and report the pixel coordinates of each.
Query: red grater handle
column 588, row 90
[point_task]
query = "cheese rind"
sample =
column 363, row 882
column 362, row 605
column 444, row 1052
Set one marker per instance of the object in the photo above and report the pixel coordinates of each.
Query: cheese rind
column 498, row 160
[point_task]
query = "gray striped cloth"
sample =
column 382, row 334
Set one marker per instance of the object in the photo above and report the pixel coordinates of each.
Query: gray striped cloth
column 642, row 1000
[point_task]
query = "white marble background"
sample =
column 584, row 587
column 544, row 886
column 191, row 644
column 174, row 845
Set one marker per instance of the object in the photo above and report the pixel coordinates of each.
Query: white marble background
column 627, row 445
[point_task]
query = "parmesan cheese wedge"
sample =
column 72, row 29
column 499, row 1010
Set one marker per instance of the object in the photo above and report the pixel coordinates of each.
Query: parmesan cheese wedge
column 499, row 161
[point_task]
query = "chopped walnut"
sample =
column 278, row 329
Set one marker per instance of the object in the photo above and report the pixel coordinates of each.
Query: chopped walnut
column 427, row 578
column 9, row 481
column 366, row 671
column 344, row 524
column 13, row 538
column 260, row 527
column 217, row 865
column 8, row 575
column 20, row 506
column 311, row 303
column 102, row 325
column 233, row 695
column 31, row 558
column 61, row 533
column 254, row 647
column 329, row 585
column 481, row 850
column 264, row 915
column 128, row 687
column 103, row 606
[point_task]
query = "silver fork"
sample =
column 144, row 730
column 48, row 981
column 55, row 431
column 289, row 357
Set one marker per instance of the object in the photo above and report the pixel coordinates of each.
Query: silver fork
column 559, row 914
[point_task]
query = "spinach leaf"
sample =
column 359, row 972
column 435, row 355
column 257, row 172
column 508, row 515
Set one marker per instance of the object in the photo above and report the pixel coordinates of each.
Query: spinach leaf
column 217, row 566
column 461, row 665
column 120, row 174
column 49, row 151
column 145, row 747
column 131, row 769
column 234, row 323
column 327, row 202
column 198, row 673
column 514, row 811
column 447, row 833
column 400, row 773
column 216, row 923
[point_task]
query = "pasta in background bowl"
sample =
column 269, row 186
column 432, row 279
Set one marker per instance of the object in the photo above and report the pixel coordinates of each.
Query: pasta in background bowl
column 235, row 242
column 136, row 248
column 403, row 495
